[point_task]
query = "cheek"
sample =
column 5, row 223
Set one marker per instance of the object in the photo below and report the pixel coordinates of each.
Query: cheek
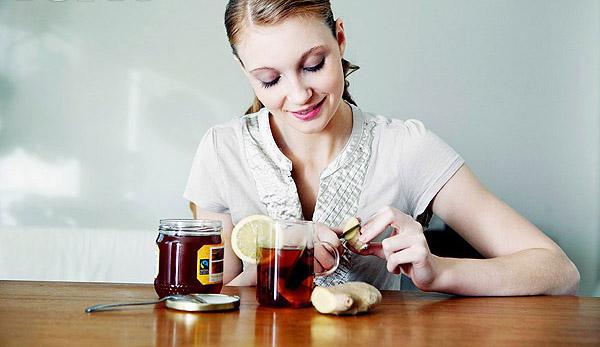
column 270, row 97
column 332, row 82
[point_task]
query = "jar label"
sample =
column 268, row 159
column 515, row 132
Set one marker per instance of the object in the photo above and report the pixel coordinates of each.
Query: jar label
column 210, row 264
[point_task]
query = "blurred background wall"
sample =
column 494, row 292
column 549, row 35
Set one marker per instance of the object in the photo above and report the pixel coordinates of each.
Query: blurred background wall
column 102, row 104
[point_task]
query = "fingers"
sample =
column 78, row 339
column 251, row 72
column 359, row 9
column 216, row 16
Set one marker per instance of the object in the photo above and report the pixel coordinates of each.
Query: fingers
column 401, row 239
column 385, row 217
column 323, row 233
column 324, row 258
column 417, row 256
column 338, row 231
column 374, row 248
column 406, row 247
column 324, row 255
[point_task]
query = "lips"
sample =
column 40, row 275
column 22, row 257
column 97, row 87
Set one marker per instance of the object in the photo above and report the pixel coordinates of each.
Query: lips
column 309, row 113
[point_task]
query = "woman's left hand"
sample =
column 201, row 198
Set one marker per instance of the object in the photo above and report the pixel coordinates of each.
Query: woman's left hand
column 325, row 259
column 405, row 250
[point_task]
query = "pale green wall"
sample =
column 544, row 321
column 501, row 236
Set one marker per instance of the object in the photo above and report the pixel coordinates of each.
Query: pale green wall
column 103, row 102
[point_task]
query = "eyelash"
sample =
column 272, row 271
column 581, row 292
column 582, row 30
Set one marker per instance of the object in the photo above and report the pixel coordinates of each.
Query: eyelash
column 271, row 83
column 315, row 68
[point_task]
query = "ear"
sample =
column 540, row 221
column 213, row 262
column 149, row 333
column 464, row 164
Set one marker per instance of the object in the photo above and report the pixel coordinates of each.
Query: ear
column 340, row 35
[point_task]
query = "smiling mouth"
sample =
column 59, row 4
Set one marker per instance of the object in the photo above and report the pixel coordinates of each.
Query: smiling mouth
column 309, row 113
column 306, row 111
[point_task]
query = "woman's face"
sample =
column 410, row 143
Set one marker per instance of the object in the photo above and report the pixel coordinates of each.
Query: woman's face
column 295, row 70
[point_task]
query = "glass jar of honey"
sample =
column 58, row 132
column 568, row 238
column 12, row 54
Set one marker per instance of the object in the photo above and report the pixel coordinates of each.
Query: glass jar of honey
column 190, row 257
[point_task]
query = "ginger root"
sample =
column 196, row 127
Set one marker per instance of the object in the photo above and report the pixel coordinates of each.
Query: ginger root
column 352, row 233
column 348, row 299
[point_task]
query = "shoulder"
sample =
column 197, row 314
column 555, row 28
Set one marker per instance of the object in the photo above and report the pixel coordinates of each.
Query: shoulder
column 394, row 129
column 229, row 134
column 219, row 141
column 408, row 138
column 225, row 131
column 232, row 130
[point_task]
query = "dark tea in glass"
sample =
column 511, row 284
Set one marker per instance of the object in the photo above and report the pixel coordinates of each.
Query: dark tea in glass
column 285, row 277
column 286, row 264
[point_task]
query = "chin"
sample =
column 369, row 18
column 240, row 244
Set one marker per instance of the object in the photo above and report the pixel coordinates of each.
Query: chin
column 310, row 129
column 313, row 126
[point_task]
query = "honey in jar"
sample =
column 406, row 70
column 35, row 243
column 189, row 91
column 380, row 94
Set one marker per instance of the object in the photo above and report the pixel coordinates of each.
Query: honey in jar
column 190, row 257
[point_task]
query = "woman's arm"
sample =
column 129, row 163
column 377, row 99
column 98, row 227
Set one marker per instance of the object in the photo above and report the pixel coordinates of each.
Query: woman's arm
column 232, row 267
column 522, row 260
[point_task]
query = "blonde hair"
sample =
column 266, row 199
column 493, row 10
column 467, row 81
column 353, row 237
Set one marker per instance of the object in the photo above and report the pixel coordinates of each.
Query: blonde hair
column 267, row 12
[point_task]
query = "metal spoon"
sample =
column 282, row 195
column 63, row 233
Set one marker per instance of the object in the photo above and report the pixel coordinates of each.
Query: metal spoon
column 106, row 307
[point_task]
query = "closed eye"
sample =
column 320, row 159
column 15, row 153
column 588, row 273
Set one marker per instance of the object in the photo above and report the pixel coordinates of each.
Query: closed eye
column 317, row 67
column 314, row 68
column 270, row 83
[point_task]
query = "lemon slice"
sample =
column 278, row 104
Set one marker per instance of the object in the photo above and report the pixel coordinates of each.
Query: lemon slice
column 245, row 234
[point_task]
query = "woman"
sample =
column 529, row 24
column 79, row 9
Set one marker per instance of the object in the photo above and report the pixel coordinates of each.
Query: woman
column 305, row 150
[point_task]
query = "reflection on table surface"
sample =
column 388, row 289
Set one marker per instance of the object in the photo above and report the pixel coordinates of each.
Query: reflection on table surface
column 51, row 313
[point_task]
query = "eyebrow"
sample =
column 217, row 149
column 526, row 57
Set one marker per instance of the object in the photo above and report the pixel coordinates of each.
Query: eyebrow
column 304, row 55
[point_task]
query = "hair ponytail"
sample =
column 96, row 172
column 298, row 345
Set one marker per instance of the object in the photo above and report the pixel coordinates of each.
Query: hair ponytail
column 348, row 68
column 255, row 107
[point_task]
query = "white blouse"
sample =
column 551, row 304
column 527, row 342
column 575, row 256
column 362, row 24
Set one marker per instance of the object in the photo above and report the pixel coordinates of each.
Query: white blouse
column 238, row 169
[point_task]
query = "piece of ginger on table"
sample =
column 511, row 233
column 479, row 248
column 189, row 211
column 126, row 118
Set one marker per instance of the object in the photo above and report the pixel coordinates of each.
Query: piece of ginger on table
column 345, row 299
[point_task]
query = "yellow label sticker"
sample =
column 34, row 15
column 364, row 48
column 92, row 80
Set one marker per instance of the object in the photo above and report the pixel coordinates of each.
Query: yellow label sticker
column 210, row 264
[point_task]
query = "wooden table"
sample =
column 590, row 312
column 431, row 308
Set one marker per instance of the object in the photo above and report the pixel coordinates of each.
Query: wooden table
column 51, row 314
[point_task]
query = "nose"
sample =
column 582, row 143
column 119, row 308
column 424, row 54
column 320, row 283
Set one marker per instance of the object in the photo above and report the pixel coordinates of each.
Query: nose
column 299, row 92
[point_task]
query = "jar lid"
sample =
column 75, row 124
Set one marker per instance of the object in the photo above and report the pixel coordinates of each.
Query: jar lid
column 211, row 302
column 190, row 227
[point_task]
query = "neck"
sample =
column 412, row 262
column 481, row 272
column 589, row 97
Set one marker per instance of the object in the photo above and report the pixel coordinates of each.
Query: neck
column 317, row 149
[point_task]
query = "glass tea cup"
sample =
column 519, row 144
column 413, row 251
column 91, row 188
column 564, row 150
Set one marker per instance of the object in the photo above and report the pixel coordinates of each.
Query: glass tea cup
column 286, row 263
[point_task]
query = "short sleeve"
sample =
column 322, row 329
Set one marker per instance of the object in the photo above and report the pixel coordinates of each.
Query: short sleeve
column 427, row 164
column 204, row 186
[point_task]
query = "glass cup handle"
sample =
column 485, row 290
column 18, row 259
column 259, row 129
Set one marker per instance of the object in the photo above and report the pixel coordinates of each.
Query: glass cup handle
column 337, row 259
